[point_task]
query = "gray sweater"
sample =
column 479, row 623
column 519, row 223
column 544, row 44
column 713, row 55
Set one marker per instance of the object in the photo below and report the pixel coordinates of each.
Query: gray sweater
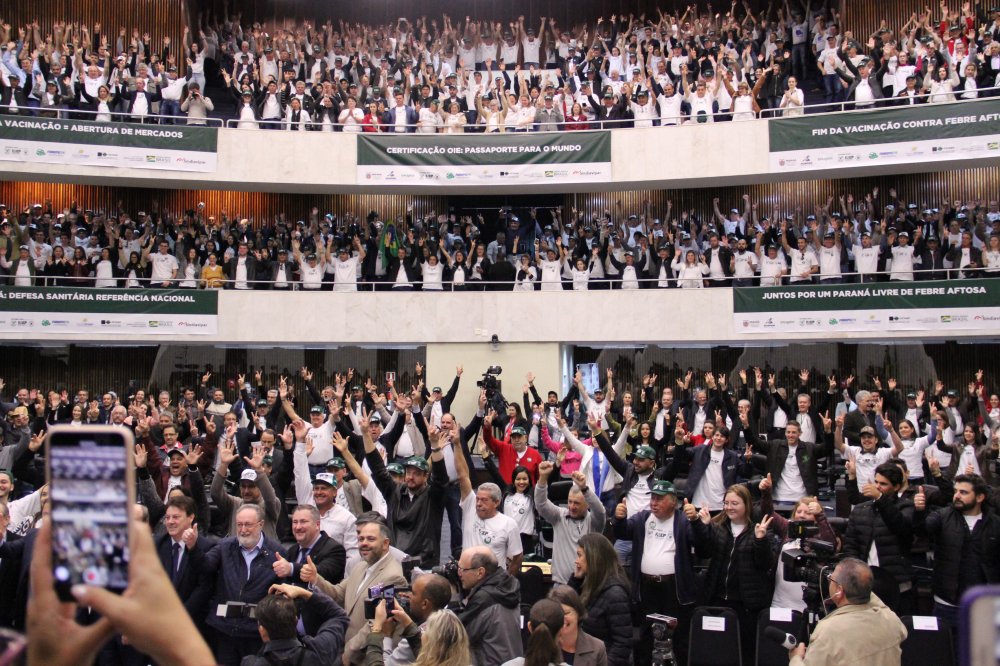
column 567, row 531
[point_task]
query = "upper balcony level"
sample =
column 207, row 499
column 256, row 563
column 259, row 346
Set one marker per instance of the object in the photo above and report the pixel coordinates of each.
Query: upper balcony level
column 892, row 140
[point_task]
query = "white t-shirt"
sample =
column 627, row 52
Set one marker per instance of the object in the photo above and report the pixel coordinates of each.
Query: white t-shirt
column 659, row 548
column 787, row 595
column 867, row 462
column 164, row 266
column 712, row 489
column 521, row 509
column 322, row 440
column 638, row 497
column 345, row 274
column 499, row 533
column 790, row 487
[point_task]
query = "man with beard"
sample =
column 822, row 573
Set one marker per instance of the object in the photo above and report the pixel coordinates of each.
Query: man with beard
column 241, row 568
column 966, row 538
column 377, row 568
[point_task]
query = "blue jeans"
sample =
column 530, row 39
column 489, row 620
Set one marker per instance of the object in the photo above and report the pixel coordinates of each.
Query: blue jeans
column 169, row 107
column 831, row 88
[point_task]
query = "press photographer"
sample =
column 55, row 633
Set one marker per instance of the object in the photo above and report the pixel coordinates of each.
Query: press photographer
column 862, row 630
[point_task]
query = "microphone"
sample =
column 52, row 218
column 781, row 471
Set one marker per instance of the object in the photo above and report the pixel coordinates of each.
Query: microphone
column 787, row 641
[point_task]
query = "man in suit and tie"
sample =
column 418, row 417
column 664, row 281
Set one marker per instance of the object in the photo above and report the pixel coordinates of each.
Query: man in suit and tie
column 311, row 546
column 182, row 553
column 377, row 567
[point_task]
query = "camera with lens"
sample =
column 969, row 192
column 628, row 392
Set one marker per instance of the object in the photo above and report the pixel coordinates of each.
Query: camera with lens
column 811, row 564
column 449, row 570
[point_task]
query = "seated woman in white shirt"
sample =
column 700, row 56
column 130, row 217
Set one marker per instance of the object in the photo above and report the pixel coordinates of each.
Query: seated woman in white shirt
column 690, row 274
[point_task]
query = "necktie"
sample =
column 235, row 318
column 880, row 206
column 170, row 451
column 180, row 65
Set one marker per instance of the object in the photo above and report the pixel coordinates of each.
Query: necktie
column 176, row 562
column 303, row 554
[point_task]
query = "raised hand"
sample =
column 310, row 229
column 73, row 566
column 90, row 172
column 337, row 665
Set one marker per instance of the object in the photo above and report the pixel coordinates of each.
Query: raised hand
column 140, row 456
column 579, row 479
column 760, row 529
column 920, row 500
column 308, row 573
column 545, row 469
column 766, row 483
column 227, row 453
column 621, row 511
column 193, row 455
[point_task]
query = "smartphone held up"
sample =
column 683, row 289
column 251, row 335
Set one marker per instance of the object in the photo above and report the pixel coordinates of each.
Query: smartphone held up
column 92, row 490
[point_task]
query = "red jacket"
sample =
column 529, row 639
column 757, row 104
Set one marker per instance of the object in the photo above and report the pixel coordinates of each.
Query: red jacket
column 507, row 456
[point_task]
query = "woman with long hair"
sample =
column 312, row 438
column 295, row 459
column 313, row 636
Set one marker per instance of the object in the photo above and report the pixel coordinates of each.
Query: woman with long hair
column 79, row 269
column 970, row 454
column 545, row 621
column 519, row 504
column 57, row 267
column 740, row 572
column 604, row 591
column 807, row 509
column 443, row 640
column 578, row 647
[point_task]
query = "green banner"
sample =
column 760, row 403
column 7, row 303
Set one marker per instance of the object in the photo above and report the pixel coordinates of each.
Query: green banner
column 96, row 311
column 897, row 135
column 931, row 305
column 114, row 144
column 477, row 159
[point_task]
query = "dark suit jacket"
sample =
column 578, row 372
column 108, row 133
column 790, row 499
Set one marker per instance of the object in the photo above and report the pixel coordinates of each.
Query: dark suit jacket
column 10, row 570
column 186, row 581
column 131, row 96
column 231, row 270
column 329, row 557
column 389, row 119
column 15, row 599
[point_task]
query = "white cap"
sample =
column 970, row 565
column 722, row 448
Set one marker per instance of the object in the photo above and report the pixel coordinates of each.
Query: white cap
column 248, row 475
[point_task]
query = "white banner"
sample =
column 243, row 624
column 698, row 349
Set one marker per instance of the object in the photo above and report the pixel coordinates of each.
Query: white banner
column 46, row 152
column 485, row 174
column 832, row 321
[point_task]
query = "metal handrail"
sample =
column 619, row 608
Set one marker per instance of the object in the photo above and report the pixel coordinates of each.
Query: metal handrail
column 367, row 285
column 122, row 117
column 885, row 104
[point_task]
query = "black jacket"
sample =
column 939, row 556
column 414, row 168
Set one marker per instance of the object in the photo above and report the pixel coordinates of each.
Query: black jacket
column 326, row 627
column 329, row 557
column 888, row 522
column 749, row 559
column 626, row 470
column 961, row 558
column 806, row 455
column 416, row 522
column 609, row 620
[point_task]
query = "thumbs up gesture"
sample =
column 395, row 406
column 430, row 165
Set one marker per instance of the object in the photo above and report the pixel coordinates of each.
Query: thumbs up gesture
column 920, row 499
column 282, row 567
column 308, row 574
column 766, row 483
column 690, row 511
column 621, row 511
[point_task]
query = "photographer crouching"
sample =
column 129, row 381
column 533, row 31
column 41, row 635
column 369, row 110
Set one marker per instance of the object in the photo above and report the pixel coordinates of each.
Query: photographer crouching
column 862, row 629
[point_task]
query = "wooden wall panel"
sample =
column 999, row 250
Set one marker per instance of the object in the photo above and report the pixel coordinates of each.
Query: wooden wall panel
column 928, row 190
column 865, row 18
column 257, row 205
column 160, row 18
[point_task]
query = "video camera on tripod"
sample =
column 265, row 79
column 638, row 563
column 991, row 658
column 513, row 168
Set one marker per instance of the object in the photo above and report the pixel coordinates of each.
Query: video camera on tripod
column 490, row 383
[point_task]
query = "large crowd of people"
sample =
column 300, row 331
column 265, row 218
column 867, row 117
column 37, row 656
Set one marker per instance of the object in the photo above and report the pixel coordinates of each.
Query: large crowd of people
column 452, row 75
column 877, row 236
column 277, row 536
